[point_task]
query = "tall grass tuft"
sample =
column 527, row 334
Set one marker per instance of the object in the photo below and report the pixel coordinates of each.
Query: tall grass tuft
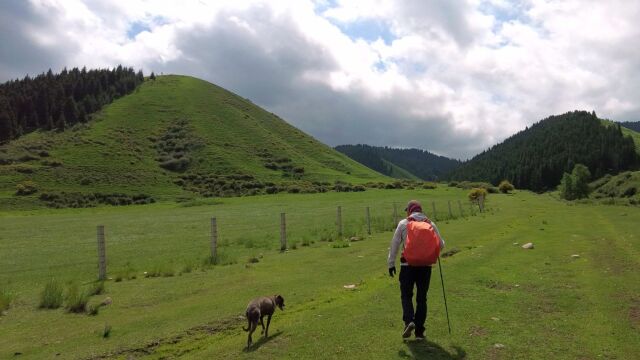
column 51, row 297
column 76, row 299
column 94, row 309
column 96, row 288
column 6, row 298
column 106, row 332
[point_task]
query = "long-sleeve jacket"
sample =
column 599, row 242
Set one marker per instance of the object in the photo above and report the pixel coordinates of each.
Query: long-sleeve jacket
column 400, row 236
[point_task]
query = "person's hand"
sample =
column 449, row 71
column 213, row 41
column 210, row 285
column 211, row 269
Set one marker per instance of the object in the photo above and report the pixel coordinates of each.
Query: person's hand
column 392, row 271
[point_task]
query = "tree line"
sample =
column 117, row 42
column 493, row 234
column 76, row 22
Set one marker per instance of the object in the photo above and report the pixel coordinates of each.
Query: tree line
column 537, row 157
column 56, row 101
column 421, row 163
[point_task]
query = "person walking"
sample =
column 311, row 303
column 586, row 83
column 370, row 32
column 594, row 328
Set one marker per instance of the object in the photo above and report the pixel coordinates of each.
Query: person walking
column 421, row 243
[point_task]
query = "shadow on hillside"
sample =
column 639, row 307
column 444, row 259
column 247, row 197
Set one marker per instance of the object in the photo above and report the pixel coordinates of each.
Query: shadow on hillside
column 263, row 340
column 421, row 349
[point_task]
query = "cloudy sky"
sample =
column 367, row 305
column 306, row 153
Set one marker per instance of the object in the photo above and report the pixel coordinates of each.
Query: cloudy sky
column 452, row 77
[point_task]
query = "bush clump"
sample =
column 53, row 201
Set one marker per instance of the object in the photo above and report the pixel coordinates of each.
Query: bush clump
column 476, row 194
column 505, row 187
column 26, row 187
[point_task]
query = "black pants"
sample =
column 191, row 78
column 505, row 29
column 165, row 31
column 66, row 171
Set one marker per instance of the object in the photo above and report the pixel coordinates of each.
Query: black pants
column 420, row 277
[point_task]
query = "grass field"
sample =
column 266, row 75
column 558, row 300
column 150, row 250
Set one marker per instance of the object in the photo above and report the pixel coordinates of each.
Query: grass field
column 539, row 304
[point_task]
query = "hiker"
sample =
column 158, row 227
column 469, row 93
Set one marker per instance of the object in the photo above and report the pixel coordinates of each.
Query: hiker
column 421, row 247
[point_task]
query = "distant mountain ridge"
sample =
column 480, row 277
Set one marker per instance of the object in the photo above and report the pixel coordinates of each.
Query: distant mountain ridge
column 536, row 157
column 420, row 163
column 632, row 125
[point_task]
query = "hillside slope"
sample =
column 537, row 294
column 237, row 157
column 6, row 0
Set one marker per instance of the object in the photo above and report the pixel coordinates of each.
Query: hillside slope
column 623, row 188
column 418, row 163
column 174, row 136
column 536, row 157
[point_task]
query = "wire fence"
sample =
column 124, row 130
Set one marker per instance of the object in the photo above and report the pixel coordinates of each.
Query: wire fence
column 176, row 239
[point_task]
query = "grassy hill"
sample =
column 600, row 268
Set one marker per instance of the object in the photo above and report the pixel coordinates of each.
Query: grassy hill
column 175, row 136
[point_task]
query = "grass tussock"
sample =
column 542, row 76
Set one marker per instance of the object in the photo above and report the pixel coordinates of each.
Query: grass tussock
column 52, row 295
column 76, row 299
column 93, row 309
column 106, row 331
column 160, row 270
column 6, row 298
column 96, row 288
column 128, row 273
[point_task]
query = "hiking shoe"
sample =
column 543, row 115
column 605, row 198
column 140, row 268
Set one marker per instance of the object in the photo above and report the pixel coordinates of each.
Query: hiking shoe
column 420, row 336
column 408, row 329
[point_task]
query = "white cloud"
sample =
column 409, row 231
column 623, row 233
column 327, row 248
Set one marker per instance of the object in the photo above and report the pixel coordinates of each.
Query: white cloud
column 455, row 76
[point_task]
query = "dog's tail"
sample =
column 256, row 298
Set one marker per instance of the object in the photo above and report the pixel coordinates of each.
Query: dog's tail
column 248, row 322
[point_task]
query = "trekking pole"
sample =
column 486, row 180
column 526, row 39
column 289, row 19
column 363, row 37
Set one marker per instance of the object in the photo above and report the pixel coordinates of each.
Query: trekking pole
column 445, row 295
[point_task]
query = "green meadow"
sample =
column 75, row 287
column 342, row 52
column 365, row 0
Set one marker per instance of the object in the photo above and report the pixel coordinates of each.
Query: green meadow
column 574, row 296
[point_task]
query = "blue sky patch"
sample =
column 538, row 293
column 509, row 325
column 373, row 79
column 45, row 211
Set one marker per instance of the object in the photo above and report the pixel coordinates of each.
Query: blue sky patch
column 369, row 30
column 136, row 28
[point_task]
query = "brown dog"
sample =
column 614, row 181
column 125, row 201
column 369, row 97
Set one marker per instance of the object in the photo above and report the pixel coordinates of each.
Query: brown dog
column 258, row 309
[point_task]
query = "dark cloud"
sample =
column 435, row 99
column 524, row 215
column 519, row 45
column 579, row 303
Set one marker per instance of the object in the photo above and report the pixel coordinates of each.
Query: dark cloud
column 21, row 53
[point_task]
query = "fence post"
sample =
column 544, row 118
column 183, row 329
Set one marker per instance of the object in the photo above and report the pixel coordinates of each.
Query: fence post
column 368, row 221
column 460, row 207
column 214, row 239
column 435, row 216
column 283, row 232
column 450, row 213
column 339, row 221
column 102, row 256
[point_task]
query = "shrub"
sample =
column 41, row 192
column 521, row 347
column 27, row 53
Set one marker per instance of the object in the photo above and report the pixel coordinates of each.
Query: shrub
column 429, row 185
column 630, row 191
column 52, row 163
column 176, row 164
column 51, row 297
column 26, row 187
column 505, row 186
column 575, row 185
column 76, row 299
column 566, row 187
column 24, row 169
column 477, row 193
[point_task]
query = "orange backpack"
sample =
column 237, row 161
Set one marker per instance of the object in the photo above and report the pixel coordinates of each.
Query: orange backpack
column 422, row 246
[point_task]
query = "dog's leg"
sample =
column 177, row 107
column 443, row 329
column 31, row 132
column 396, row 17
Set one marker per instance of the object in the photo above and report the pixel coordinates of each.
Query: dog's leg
column 266, row 332
column 252, row 328
column 262, row 323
